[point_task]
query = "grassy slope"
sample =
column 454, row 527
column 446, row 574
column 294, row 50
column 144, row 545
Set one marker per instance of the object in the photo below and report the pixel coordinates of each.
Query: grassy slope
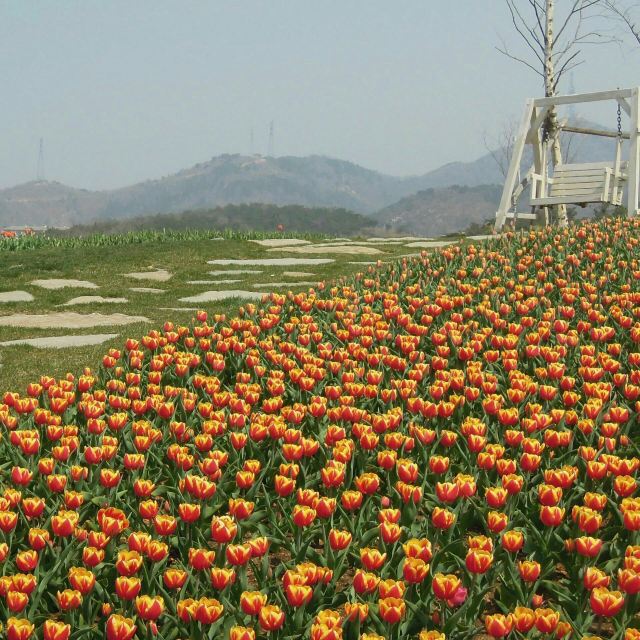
column 187, row 260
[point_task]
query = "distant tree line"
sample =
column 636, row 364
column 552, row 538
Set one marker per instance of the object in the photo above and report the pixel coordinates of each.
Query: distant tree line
column 237, row 217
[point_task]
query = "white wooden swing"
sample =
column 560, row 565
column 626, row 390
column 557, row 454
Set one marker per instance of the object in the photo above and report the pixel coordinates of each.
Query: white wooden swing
column 579, row 184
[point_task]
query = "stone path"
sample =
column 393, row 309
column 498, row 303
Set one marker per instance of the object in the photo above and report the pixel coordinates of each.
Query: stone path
column 212, row 296
column 431, row 244
column 61, row 342
column 16, row 296
column 296, row 274
column 67, row 320
column 146, row 290
column 265, row 285
column 232, row 272
column 159, row 275
column 272, row 262
column 350, row 249
column 61, row 283
column 94, row 299
column 212, row 281
column 280, row 242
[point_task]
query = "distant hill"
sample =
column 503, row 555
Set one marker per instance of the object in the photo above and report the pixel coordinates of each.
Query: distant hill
column 239, row 217
column 312, row 181
column 436, row 212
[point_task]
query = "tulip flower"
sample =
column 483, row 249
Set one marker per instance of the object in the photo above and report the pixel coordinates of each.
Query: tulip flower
column 55, row 630
column 606, row 603
column 120, row 628
column 271, row 617
column 149, row 607
column 252, row 601
column 19, row 629
column 208, row 610
column 391, row 610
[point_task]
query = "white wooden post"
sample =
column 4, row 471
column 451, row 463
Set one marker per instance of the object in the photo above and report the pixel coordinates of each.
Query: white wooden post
column 514, row 165
column 633, row 172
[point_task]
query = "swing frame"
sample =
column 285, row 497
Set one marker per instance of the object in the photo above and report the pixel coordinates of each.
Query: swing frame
column 613, row 174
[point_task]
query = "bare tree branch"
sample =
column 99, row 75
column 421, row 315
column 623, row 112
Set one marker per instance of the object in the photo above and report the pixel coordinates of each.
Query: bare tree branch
column 625, row 16
column 524, row 62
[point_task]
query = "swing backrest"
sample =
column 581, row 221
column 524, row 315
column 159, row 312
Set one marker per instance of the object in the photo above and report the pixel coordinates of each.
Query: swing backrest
column 581, row 184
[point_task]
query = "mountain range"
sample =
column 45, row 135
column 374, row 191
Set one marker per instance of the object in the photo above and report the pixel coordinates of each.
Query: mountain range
column 426, row 203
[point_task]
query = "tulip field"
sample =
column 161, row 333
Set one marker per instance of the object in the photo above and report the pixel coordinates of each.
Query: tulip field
column 442, row 447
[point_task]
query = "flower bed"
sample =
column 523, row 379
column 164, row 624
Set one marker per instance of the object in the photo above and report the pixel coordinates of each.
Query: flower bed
column 443, row 447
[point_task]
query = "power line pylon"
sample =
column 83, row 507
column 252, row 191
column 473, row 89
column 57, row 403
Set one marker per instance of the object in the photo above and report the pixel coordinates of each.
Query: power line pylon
column 40, row 170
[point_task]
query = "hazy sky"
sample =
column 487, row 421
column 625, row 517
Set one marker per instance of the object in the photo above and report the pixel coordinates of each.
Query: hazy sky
column 123, row 91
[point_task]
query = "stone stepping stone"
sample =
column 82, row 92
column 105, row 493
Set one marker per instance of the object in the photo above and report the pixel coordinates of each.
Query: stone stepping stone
column 265, row 285
column 272, row 262
column 146, row 290
column 399, row 239
column 61, row 283
column 280, row 242
column 212, row 281
column 16, row 296
column 486, row 237
column 232, row 272
column 180, row 308
column 67, row 320
column 433, row 244
column 213, row 296
column 159, row 275
column 295, row 274
column 349, row 249
column 61, row 342
column 366, row 262
column 92, row 300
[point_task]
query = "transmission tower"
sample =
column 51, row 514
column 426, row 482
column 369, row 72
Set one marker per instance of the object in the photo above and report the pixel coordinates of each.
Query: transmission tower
column 571, row 111
column 40, row 170
column 271, row 151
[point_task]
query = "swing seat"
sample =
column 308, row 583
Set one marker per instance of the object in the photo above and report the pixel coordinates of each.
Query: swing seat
column 580, row 184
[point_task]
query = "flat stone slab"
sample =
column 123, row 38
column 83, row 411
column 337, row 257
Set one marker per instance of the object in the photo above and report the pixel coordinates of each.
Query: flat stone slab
column 16, row 296
column 159, row 275
column 181, row 308
column 349, row 249
column 146, row 290
column 212, row 281
column 364, row 263
column 67, row 320
column 485, row 237
column 232, row 272
column 280, row 242
column 213, row 296
column 265, row 285
column 433, row 244
column 61, row 283
column 94, row 300
column 296, row 274
column 61, row 342
column 399, row 239
column 272, row 262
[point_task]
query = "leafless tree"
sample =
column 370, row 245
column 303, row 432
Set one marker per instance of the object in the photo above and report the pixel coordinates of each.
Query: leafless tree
column 551, row 49
column 500, row 147
column 625, row 14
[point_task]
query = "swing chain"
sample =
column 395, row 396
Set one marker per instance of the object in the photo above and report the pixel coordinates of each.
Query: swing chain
column 619, row 121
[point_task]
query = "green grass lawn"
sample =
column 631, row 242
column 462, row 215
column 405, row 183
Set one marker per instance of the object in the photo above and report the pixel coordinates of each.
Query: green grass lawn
column 105, row 266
